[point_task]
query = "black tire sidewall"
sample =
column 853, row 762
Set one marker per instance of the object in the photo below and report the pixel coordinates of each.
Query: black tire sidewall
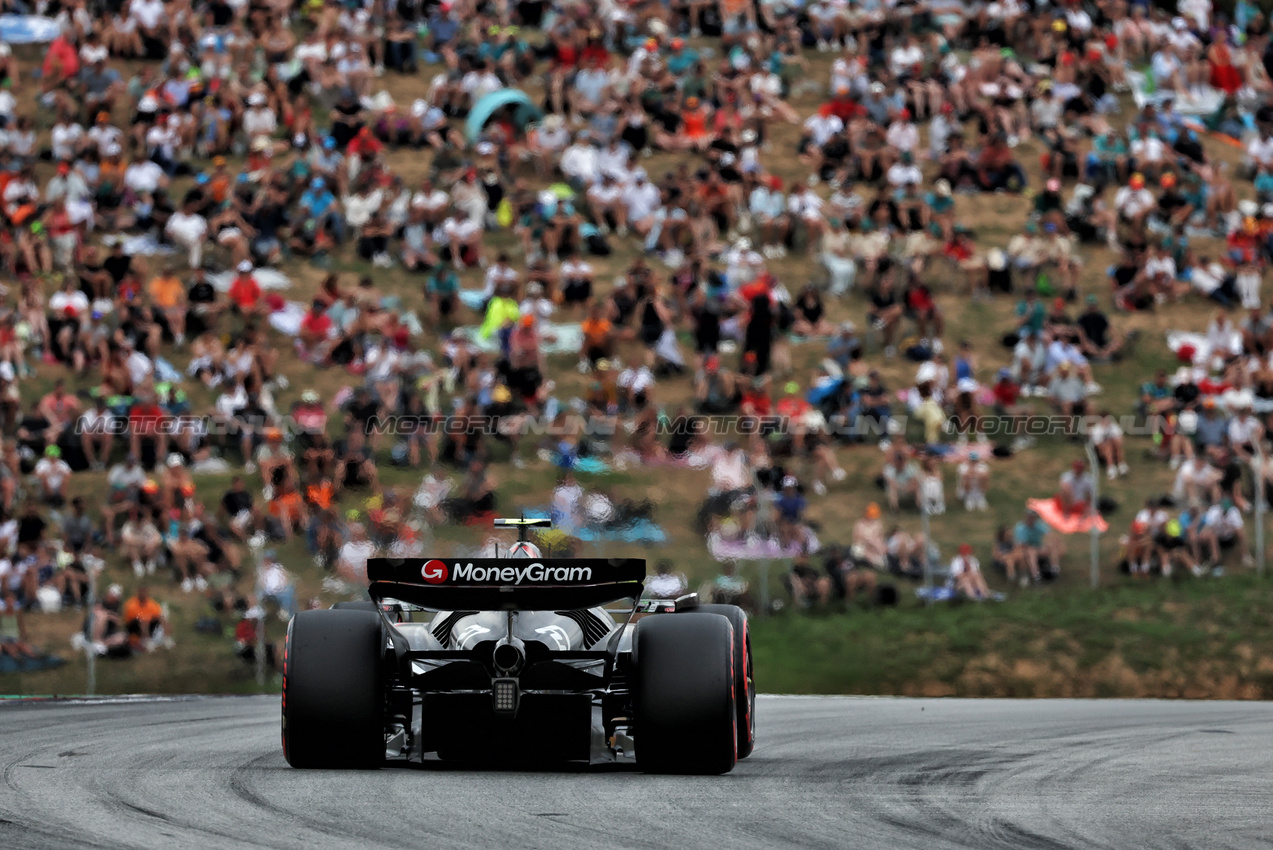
column 333, row 690
column 744, row 675
column 684, row 695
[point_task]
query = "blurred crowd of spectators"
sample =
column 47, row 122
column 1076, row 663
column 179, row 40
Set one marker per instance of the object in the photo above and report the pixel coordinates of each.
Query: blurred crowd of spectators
column 161, row 163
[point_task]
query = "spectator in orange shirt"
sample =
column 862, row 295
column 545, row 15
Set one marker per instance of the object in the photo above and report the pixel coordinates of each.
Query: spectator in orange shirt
column 144, row 619
column 287, row 510
column 168, row 301
column 598, row 338
column 694, row 126
column 245, row 292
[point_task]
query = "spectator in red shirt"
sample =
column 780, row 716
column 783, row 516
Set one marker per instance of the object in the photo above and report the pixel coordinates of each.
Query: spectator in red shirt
column 365, row 146
column 314, row 341
column 928, row 317
column 146, row 421
column 1006, row 393
column 843, row 106
column 245, row 292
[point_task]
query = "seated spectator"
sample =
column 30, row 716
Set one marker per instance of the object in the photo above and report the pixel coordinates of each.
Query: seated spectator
column 1066, row 391
column 729, row 588
column 807, row 586
column 247, row 637
column 901, row 480
column 1035, row 542
column 1223, row 526
column 189, row 558
column 907, row 553
column 15, row 642
column 666, row 583
column 965, row 574
column 1077, row 486
column 106, row 631
column 870, row 547
column 973, row 482
column 1006, row 554
column 145, row 621
column 1107, row 437
column 275, row 584
column 849, row 576
column 53, row 474
column 140, row 542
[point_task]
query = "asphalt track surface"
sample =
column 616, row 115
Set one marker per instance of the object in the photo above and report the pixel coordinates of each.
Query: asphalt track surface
column 827, row 772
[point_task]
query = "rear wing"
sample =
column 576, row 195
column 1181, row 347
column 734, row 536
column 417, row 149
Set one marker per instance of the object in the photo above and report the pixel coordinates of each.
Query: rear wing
column 488, row 584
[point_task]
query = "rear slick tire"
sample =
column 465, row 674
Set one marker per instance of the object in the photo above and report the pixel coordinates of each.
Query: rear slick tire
column 744, row 680
column 333, row 690
column 683, row 695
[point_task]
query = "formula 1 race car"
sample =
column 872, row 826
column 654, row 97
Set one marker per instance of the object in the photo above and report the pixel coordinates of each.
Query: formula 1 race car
column 518, row 659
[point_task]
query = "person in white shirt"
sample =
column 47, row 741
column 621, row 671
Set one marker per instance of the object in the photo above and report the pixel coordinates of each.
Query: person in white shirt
column 432, row 203
column 547, row 141
column 1245, row 431
column 666, row 584
column 274, row 582
column 905, row 57
column 103, row 133
column 636, row 381
column 149, row 15
column 577, row 282
column 579, row 162
column 1150, row 153
column 361, row 204
column 1221, row 524
column 904, row 172
column 498, row 276
column 1199, row 11
column 641, row 200
column 818, row 128
column 480, row 82
column 462, row 238
column 965, row 574
column 1167, row 70
column 1181, row 38
column 805, row 205
column 1247, row 283
column 53, row 473
column 768, row 209
column 604, row 199
column 67, row 140
column 187, row 228
column 731, row 472
column 1260, row 151
column 22, row 190
column 566, row 500
column 1195, row 482
column 351, row 562
column 536, row 303
column 144, row 177
column 613, row 159
column 902, row 133
column 972, row 482
column 1207, row 278
column 1134, row 201
column 1107, row 436
column 258, row 119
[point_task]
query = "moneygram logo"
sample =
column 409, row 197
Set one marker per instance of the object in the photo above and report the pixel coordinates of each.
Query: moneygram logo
column 532, row 573
column 434, row 572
